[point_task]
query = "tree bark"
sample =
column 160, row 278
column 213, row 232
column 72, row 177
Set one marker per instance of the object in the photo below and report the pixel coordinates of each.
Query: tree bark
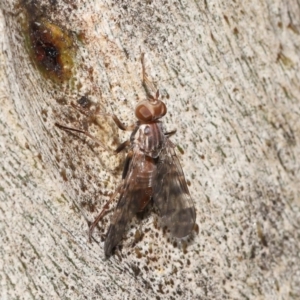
column 229, row 75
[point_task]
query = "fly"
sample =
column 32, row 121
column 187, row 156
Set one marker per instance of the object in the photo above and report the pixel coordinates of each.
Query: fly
column 151, row 171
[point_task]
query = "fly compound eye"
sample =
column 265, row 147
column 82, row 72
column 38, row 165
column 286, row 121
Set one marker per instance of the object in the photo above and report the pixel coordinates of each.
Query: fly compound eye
column 147, row 111
column 143, row 112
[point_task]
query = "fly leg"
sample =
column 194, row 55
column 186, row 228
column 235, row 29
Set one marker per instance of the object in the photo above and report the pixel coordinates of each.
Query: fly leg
column 96, row 113
column 93, row 115
column 122, row 146
column 119, row 149
column 66, row 128
column 170, row 133
column 148, row 85
column 103, row 212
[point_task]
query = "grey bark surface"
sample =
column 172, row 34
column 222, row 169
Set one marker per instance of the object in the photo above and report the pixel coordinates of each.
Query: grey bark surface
column 229, row 75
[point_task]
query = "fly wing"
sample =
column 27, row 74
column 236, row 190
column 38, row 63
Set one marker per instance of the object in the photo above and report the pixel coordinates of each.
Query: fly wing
column 171, row 194
column 133, row 197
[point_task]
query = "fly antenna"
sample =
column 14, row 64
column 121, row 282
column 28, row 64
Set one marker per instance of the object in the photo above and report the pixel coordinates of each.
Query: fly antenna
column 147, row 83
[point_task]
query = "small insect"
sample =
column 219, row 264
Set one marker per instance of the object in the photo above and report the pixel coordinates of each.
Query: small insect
column 151, row 172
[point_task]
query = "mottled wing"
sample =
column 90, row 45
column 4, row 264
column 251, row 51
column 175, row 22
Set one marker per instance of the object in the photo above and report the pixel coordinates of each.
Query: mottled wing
column 132, row 197
column 171, row 194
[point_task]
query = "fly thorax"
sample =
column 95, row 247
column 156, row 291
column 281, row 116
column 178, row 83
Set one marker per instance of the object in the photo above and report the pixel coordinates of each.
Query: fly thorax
column 150, row 139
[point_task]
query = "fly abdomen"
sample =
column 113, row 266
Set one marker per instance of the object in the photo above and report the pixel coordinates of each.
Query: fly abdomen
column 145, row 180
column 144, row 176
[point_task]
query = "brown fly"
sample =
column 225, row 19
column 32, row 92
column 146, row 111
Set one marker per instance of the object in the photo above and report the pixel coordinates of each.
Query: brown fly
column 151, row 171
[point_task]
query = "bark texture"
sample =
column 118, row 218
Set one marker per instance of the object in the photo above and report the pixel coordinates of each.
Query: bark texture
column 228, row 72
